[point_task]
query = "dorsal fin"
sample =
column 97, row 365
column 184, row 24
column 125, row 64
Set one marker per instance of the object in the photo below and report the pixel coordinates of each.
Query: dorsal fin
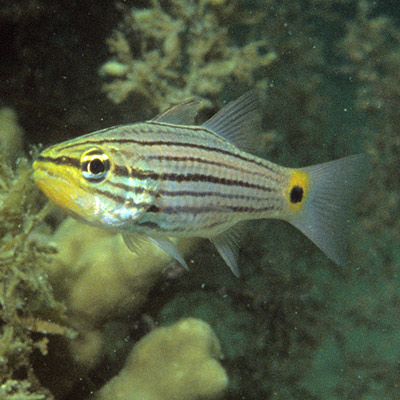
column 183, row 113
column 239, row 122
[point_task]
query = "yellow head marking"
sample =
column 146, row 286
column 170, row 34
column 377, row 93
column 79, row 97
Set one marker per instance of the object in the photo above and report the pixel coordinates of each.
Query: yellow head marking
column 68, row 178
column 297, row 190
column 57, row 183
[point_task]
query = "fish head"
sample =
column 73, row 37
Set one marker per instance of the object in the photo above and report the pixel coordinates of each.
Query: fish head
column 92, row 183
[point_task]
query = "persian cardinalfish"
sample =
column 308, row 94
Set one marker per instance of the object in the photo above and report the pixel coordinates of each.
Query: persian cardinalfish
column 170, row 178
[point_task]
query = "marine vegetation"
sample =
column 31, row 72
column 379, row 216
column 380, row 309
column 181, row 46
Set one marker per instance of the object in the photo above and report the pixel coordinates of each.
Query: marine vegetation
column 29, row 313
column 175, row 50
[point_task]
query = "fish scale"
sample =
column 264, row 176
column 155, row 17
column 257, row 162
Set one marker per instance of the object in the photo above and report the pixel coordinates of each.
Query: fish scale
column 167, row 177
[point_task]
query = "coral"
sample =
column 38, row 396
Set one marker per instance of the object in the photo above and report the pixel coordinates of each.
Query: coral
column 100, row 280
column 175, row 50
column 179, row 362
column 22, row 390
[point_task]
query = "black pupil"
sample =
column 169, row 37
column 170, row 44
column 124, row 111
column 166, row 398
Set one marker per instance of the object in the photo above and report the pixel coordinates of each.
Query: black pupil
column 96, row 166
column 296, row 194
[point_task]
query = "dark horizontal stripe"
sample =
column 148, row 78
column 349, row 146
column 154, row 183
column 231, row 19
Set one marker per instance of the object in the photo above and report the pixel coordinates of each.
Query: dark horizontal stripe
column 183, row 193
column 172, row 143
column 130, row 189
column 172, row 177
column 149, row 224
column 211, row 179
column 201, row 210
column 182, row 228
column 209, row 162
column 62, row 160
column 209, row 194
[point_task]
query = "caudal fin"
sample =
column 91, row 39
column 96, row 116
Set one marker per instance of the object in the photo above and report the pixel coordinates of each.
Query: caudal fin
column 324, row 217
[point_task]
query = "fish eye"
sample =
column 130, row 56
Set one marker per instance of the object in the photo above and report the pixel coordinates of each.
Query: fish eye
column 95, row 165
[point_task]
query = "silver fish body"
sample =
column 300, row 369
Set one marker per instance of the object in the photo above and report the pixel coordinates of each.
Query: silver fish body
column 163, row 178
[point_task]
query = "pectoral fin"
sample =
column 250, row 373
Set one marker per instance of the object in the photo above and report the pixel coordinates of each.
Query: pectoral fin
column 134, row 241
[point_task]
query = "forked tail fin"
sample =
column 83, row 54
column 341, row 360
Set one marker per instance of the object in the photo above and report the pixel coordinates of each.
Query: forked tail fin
column 332, row 188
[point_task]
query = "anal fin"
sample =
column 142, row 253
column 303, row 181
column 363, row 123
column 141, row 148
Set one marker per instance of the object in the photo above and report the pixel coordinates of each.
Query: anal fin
column 227, row 244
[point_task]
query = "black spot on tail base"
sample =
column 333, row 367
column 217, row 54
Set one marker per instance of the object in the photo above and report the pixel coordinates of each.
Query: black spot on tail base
column 296, row 194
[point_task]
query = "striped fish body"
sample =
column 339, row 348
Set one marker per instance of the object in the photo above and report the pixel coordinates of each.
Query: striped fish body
column 165, row 178
column 196, row 183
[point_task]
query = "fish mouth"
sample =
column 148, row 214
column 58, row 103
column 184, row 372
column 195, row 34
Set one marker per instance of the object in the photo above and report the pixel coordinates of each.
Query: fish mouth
column 57, row 185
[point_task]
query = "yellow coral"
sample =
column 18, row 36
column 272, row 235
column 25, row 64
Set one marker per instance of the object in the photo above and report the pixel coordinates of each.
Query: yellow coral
column 178, row 362
column 99, row 279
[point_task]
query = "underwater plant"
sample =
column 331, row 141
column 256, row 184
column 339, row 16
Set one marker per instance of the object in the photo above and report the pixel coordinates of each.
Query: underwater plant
column 175, row 50
column 29, row 312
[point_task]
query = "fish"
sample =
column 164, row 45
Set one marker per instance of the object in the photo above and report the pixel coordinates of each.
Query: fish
column 170, row 178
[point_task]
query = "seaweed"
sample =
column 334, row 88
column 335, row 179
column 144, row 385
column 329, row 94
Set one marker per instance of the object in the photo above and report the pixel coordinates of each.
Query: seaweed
column 27, row 304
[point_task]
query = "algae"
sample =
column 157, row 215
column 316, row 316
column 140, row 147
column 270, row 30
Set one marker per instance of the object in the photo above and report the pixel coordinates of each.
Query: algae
column 26, row 297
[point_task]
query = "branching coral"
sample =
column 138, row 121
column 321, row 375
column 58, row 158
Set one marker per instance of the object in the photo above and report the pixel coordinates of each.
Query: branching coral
column 176, row 50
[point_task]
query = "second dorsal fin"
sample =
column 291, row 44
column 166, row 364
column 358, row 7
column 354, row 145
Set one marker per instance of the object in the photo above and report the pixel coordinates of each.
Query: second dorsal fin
column 239, row 122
